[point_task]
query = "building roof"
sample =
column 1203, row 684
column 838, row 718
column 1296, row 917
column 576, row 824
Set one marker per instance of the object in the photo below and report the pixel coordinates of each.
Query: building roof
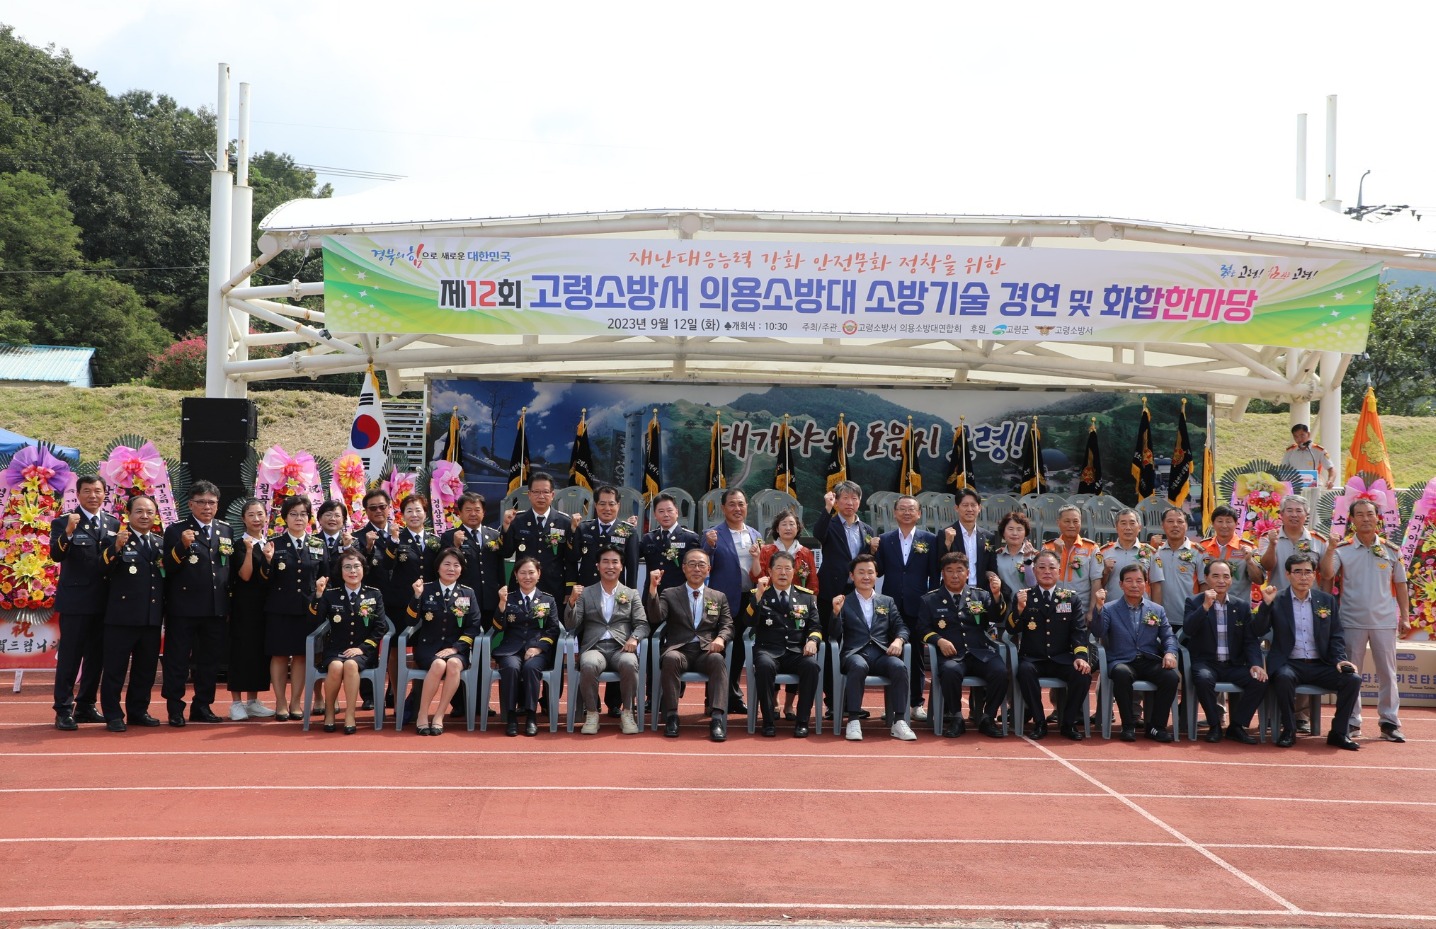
column 54, row 364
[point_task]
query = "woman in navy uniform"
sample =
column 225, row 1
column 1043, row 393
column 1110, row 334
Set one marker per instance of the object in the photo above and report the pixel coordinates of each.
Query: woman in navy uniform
column 357, row 624
column 445, row 620
column 134, row 560
column 407, row 554
column 293, row 561
column 526, row 629
column 248, row 668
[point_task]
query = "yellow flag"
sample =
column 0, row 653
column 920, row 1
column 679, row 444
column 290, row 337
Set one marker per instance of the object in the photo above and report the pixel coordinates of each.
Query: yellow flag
column 1368, row 444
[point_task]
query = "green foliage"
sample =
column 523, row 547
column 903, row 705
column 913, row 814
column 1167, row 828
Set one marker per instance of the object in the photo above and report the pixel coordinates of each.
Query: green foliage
column 1399, row 356
column 179, row 367
column 86, row 309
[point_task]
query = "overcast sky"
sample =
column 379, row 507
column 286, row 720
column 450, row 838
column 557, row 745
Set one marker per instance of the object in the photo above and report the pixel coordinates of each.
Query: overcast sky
column 1146, row 99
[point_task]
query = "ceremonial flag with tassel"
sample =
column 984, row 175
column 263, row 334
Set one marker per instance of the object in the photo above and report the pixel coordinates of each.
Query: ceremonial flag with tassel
column 369, row 435
column 580, row 460
column 838, row 456
column 1368, row 443
column 783, row 477
column 1033, row 470
column 519, row 460
column 1144, row 468
column 910, row 480
column 652, row 460
column 1090, row 481
column 1209, row 490
column 1179, row 479
column 451, row 440
column 962, row 459
column 717, row 480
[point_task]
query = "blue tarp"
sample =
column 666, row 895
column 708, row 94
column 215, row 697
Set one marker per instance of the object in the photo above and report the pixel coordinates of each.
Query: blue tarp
column 12, row 442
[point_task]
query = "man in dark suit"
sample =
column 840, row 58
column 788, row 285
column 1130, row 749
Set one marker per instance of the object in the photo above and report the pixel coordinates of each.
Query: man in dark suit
column 787, row 634
column 543, row 533
column 841, row 538
column 1050, row 626
column 481, row 548
column 1223, row 649
column 1307, row 647
column 697, row 626
column 610, row 622
column 959, row 619
column 907, row 563
column 197, row 555
column 873, row 637
column 663, row 548
column 135, row 564
column 732, row 548
column 1140, row 647
column 75, row 543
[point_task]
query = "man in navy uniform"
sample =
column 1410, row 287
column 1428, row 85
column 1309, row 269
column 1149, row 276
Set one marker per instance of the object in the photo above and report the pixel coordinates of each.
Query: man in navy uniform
column 663, row 548
column 481, row 547
column 542, row 533
column 1050, row 626
column 787, row 634
column 959, row 620
column 134, row 559
column 75, row 543
column 197, row 556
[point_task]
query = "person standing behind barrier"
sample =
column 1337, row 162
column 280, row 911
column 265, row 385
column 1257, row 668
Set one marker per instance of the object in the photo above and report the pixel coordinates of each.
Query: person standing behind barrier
column 197, row 556
column 841, row 538
column 248, row 667
column 732, row 547
column 293, row 562
column 907, row 563
column 134, row 560
column 1375, row 608
column 80, row 597
column 1305, row 455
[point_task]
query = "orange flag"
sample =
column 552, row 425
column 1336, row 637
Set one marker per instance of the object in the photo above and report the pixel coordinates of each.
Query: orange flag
column 1368, row 444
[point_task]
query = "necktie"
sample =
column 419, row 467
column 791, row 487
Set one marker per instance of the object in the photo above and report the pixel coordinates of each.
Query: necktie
column 663, row 536
column 94, row 525
column 527, row 603
column 204, row 530
column 783, row 600
column 1222, row 650
column 605, row 531
column 697, row 607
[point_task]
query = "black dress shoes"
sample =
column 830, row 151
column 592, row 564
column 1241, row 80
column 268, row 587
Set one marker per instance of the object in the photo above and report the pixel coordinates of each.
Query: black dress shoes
column 954, row 727
column 203, row 714
column 718, row 728
column 177, row 720
column 670, row 726
column 1240, row 734
column 1073, row 733
column 1039, row 731
column 531, row 727
column 1159, row 735
column 1128, row 734
column 65, row 722
column 86, row 713
column 1286, row 740
column 115, row 725
column 511, row 725
column 800, row 730
column 737, row 708
column 769, row 730
column 989, row 728
column 1342, row 740
column 1214, row 734
column 143, row 719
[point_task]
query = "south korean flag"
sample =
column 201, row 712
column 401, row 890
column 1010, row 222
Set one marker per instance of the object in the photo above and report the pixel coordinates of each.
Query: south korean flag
column 369, row 436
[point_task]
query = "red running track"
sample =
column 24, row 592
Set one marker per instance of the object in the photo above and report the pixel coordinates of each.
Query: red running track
column 259, row 820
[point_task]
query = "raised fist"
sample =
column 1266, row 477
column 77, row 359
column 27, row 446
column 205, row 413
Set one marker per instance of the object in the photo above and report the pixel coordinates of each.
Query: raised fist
column 72, row 524
column 1100, row 596
column 994, row 584
column 509, row 515
column 320, row 586
column 1268, row 593
column 187, row 537
column 269, row 550
column 418, row 588
column 830, row 500
column 503, row 598
column 948, row 535
column 122, row 537
column 711, row 537
column 1208, row 598
column 574, row 593
column 653, row 578
column 838, row 602
column 1022, row 600
column 763, row 584
column 460, row 537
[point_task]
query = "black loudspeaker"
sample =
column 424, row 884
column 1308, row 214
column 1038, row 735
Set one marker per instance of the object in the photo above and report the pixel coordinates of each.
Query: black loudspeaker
column 217, row 462
column 205, row 419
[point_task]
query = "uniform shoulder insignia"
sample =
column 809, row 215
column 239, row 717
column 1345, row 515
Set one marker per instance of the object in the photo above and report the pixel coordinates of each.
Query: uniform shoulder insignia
column 1291, row 446
column 1317, row 447
column 801, row 590
column 1108, row 547
column 1319, row 536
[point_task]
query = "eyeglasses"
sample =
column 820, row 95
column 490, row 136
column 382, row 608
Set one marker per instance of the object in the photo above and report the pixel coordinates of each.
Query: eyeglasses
column 203, row 502
column 351, row 566
column 377, row 506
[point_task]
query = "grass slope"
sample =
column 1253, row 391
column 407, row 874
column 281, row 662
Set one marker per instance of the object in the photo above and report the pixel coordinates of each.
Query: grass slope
column 319, row 423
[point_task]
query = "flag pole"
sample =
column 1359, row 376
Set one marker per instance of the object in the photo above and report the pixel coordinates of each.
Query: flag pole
column 842, row 438
column 962, row 448
column 1036, row 464
column 718, row 452
column 523, row 447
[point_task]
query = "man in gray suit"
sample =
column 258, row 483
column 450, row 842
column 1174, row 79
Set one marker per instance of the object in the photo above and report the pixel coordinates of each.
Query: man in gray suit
column 698, row 625
column 610, row 622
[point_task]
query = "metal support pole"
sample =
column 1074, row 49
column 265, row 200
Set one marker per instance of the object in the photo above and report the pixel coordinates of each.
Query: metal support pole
column 1329, row 427
column 215, row 382
column 240, row 252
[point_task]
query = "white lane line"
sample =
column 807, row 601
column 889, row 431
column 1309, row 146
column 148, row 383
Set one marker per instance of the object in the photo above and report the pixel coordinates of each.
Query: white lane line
column 1197, row 847
column 494, row 752
column 645, row 906
column 786, row 840
column 1253, row 799
column 581, row 788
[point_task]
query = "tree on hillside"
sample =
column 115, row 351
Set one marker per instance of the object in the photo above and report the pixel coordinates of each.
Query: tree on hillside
column 87, row 309
column 1399, row 354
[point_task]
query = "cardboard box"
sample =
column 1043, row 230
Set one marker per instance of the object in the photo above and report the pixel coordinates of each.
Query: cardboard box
column 1415, row 674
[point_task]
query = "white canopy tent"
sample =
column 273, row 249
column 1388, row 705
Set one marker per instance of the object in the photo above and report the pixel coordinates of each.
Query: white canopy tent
column 673, row 207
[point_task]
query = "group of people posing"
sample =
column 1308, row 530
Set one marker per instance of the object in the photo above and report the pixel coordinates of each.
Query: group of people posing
column 967, row 594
